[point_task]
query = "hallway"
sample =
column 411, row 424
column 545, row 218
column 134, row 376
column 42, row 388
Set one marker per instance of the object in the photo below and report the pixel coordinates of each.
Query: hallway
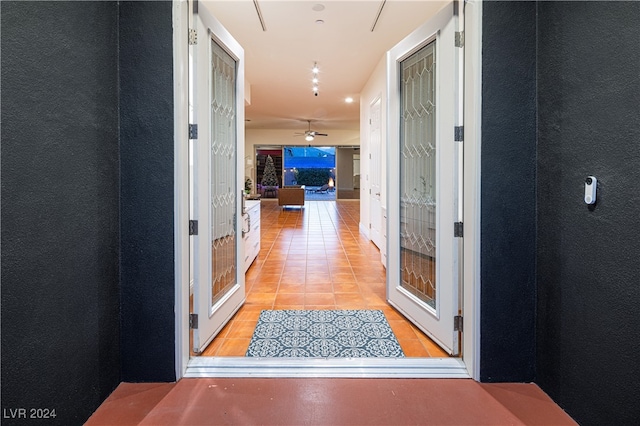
column 315, row 258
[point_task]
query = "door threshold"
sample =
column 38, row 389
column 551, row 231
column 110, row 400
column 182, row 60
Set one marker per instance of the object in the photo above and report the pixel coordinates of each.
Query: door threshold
column 405, row 368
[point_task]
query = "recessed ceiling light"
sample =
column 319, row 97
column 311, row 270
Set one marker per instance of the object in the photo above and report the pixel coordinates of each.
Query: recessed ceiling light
column 348, row 100
column 318, row 7
column 319, row 22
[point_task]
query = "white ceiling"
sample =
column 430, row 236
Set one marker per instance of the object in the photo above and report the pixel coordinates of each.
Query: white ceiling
column 278, row 61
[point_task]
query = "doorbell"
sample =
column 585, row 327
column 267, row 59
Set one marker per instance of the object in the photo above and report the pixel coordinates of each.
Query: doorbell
column 590, row 185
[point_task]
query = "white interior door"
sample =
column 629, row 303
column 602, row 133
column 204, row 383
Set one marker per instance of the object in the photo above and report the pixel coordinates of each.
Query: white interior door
column 375, row 137
column 423, row 192
column 217, row 86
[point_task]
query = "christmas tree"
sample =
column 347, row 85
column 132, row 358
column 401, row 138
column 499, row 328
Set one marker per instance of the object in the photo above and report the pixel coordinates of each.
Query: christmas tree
column 269, row 177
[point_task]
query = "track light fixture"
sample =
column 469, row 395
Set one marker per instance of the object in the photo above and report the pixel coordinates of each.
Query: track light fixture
column 314, row 80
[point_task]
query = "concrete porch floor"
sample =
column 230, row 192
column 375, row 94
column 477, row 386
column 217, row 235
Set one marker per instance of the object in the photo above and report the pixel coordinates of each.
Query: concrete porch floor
column 249, row 401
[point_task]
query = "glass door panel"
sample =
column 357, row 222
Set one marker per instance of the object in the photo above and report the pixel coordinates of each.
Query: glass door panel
column 418, row 175
column 223, row 173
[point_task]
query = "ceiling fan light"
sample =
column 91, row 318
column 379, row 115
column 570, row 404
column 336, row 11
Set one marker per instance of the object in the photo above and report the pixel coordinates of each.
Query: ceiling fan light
column 308, row 138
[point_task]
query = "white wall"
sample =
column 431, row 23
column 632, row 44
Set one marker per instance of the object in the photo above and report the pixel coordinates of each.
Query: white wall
column 374, row 88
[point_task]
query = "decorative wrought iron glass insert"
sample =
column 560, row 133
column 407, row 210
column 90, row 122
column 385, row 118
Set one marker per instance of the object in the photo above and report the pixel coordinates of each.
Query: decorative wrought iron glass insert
column 223, row 172
column 418, row 175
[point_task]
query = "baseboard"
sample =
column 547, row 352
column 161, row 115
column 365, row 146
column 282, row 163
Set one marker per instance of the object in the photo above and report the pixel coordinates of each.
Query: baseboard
column 364, row 230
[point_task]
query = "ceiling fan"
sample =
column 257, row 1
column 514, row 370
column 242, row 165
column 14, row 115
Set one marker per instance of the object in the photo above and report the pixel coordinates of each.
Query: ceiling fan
column 309, row 134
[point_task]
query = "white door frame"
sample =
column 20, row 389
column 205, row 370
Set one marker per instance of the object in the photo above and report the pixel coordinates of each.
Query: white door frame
column 375, row 198
column 466, row 366
column 181, row 182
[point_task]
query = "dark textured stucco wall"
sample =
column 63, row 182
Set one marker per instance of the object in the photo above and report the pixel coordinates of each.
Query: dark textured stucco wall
column 60, row 297
column 87, row 202
column 508, row 192
column 589, row 258
column 146, row 141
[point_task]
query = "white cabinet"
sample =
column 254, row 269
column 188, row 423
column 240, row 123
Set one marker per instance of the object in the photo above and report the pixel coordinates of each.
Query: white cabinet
column 251, row 232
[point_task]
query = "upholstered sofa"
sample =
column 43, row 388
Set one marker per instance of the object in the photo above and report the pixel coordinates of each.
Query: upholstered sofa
column 291, row 196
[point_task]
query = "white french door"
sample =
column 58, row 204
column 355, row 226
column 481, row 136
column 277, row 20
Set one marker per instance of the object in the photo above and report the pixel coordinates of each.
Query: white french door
column 424, row 186
column 217, row 153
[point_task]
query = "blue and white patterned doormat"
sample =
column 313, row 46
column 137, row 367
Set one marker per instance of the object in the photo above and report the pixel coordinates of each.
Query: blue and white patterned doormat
column 324, row 334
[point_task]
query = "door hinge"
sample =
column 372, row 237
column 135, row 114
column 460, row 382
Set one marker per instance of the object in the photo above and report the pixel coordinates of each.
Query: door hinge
column 193, row 227
column 457, row 229
column 193, row 36
column 459, row 39
column 193, row 131
column 457, row 323
column 458, row 133
column 193, row 321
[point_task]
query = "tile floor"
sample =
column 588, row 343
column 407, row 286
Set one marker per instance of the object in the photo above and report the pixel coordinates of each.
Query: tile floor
column 315, row 258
